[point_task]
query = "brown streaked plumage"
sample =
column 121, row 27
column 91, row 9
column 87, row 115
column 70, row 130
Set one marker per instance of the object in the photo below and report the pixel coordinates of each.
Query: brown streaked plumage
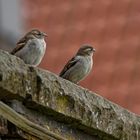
column 79, row 66
column 30, row 35
column 31, row 47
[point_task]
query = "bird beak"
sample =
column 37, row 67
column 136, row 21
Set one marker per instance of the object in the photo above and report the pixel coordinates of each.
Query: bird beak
column 44, row 34
column 94, row 50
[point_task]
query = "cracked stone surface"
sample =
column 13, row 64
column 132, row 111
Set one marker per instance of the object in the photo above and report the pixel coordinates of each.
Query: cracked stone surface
column 66, row 102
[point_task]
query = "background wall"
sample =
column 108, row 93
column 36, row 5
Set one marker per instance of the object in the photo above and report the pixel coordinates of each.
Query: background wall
column 112, row 27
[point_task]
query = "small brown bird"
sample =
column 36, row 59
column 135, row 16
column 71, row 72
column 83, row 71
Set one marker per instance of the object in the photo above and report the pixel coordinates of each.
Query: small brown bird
column 31, row 48
column 79, row 66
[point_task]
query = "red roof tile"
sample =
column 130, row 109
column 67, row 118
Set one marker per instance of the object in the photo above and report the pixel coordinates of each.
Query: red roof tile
column 111, row 26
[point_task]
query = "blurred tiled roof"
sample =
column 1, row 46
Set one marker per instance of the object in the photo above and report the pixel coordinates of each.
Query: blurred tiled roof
column 111, row 26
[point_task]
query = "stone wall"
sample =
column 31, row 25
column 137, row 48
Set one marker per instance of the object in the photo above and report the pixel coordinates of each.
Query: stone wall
column 36, row 103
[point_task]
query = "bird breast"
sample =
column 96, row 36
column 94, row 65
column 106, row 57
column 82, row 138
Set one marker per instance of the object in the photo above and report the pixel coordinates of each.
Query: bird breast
column 40, row 44
column 37, row 47
column 82, row 68
column 86, row 63
column 33, row 52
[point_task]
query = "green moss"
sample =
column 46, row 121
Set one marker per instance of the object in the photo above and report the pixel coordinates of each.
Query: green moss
column 64, row 103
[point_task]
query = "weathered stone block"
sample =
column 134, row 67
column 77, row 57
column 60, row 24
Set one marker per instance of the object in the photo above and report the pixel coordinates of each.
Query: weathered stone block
column 67, row 103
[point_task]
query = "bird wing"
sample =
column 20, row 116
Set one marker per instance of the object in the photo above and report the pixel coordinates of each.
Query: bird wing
column 20, row 44
column 69, row 64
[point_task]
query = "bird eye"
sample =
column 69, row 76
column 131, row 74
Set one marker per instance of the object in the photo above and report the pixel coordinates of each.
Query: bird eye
column 38, row 33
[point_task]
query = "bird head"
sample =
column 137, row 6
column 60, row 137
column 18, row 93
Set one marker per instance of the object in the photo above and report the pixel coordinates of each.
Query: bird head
column 86, row 50
column 38, row 34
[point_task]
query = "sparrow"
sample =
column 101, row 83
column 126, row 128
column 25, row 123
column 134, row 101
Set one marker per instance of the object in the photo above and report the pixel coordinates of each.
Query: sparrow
column 31, row 48
column 79, row 66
